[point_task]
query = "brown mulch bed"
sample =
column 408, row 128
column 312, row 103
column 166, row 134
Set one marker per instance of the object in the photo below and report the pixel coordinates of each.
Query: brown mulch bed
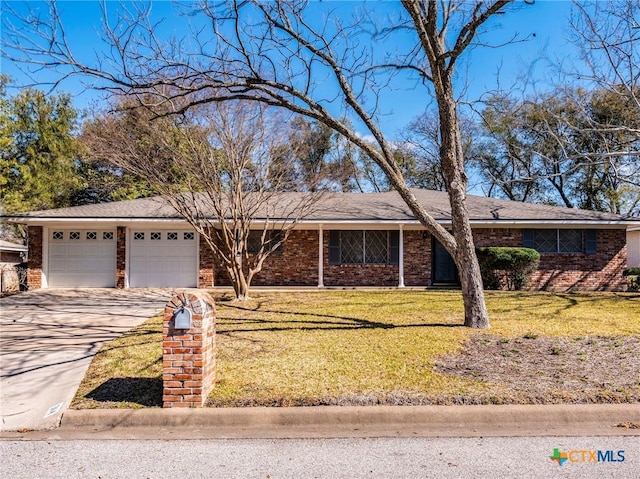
column 547, row 370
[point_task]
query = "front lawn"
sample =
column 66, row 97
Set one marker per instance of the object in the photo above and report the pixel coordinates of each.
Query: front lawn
column 394, row 347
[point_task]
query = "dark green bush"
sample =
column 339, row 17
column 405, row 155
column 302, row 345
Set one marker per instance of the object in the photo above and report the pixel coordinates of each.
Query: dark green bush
column 632, row 271
column 506, row 267
column 633, row 278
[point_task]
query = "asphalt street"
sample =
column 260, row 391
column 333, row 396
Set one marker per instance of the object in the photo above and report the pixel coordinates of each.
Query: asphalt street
column 496, row 457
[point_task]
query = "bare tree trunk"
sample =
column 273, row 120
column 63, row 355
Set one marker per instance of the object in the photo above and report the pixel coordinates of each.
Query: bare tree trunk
column 475, row 310
column 241, row 288
column 441, row 64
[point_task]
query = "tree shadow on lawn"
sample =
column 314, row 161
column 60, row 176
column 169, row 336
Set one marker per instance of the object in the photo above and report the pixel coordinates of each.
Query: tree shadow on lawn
column 326, row 323
column 143, row 391
column 564, row 301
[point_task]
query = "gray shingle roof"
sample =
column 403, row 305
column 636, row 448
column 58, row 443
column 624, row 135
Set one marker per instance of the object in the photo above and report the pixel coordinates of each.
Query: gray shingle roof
column 360, row 207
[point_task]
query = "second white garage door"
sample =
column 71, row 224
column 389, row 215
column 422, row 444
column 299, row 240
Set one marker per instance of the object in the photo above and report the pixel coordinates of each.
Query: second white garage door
column 163, row 259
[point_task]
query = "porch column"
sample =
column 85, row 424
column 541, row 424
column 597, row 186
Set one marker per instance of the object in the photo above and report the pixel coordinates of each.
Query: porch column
column 401, row 259
column 320, row 258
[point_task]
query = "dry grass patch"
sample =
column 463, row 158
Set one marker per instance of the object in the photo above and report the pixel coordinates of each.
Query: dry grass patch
column 358, row 347
column 547, row 370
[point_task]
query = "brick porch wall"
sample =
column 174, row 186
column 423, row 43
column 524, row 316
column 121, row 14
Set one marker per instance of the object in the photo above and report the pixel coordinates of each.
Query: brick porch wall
column 297, row 265
column 417, row 258
column 34, row 264
column 568, row 271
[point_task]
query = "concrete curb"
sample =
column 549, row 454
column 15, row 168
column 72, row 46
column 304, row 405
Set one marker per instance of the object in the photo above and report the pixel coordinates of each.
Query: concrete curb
column 339, row 421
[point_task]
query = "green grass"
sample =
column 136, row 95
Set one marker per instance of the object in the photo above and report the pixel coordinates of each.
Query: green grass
column 348, row 347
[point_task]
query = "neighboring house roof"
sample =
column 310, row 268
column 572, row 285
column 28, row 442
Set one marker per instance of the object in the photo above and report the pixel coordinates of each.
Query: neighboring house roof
column 350, row 208
column 8, row 246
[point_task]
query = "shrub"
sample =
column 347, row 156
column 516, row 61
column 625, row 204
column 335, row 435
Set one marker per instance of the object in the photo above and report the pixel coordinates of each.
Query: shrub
column 633, row 278
column 505, row 267
column 632, row 271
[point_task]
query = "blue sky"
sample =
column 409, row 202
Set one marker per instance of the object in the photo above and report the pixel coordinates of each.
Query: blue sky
column 520, row 66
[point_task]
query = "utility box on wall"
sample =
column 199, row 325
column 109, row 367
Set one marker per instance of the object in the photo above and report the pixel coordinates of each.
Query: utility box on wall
column 188, row 350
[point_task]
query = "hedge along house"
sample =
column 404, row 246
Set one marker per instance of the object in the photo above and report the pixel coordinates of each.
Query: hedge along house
column 349, row 240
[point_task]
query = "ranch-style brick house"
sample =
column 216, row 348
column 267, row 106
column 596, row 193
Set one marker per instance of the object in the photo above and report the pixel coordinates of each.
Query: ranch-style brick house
column 350, row 239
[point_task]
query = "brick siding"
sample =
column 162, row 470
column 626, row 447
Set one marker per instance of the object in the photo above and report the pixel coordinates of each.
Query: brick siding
column 417, row 258
column 206, row 274
column 121, row 256
column 297, row 265
column 34, row 264
column 570, row 271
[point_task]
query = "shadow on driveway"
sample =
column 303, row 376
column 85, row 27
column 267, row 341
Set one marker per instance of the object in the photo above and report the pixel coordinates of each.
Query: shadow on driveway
column 48, row 338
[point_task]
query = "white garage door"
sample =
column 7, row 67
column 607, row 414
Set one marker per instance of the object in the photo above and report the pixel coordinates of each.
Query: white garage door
column 82, row 258
column 163, row 259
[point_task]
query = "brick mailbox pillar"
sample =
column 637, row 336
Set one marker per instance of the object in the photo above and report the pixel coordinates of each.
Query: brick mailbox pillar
column 188, row 354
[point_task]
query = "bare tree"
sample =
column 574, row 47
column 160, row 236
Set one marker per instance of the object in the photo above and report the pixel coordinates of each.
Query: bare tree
column 421, row 144
column 214, row 168
column 545, row 149
column 579, row 144
column 607, row 34
column 285, row 53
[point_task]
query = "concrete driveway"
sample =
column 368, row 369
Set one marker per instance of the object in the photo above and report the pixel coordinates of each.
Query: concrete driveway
column 47, row 340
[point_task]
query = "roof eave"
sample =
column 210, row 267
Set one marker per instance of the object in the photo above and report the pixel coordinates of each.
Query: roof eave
column 521, row 223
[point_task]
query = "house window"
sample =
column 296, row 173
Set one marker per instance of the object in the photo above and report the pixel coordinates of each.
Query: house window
column 155, row 236
column 570, row 241
column 107, row 235
column 91, row 235
column 254, row 241
column 138, row 235
column 57, row 235
column 189, row 235
column 364, row 247
column 561, row 240
column 172, row 236
column 74, row 235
